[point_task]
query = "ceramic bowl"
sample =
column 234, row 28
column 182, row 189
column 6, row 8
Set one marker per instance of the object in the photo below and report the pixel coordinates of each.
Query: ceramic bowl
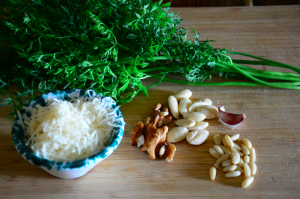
column 66, row 170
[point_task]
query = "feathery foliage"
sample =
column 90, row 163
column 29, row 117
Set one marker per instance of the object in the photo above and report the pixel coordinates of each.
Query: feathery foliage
column 110, row 46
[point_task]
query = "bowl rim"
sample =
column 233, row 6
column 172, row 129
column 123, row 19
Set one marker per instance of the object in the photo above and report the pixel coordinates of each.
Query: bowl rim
column 19, row 143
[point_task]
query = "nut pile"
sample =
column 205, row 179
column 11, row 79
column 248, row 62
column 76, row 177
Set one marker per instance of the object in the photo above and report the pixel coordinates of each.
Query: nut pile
column 234, row 158
column 151, row 134
column 191, row 126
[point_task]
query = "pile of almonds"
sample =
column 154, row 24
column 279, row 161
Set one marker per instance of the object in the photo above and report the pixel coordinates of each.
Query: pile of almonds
column 191, row 126
column 234, row 158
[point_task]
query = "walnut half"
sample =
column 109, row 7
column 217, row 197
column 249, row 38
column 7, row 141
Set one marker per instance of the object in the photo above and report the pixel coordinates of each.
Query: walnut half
column 158, row 137
column 136, row 132
column 150, row 131
column 158, row 117
column 166, row 150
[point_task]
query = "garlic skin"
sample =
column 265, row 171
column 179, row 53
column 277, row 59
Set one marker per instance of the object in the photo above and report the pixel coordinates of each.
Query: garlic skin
column 231, row 120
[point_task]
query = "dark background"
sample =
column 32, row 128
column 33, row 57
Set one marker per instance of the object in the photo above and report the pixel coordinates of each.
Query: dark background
column 220, row 3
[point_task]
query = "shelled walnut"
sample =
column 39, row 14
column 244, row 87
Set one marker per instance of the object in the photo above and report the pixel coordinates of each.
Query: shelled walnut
column 158, row 137
column 136, row 132
column 159, row 118
column 150, row 130
column 169, row 151
column 151, row 134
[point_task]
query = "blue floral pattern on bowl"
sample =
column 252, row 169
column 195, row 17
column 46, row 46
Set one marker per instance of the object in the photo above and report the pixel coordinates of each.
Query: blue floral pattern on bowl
column 66, row 169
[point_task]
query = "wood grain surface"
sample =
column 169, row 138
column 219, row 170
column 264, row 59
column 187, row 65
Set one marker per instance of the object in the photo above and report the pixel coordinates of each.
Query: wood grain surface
column 272, row 125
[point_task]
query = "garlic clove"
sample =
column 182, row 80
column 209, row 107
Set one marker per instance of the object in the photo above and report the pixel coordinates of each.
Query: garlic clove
column 231, row 120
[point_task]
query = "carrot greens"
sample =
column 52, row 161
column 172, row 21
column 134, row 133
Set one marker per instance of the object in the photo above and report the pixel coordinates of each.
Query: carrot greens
column 111, row 46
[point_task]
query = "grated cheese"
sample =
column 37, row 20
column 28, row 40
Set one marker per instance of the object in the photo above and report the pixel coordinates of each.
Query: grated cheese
column 65, row 131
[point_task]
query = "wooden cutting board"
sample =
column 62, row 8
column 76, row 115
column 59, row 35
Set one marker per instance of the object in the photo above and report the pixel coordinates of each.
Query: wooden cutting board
column 272, row 125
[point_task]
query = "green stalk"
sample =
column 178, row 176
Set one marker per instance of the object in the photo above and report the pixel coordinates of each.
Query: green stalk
column 278, row 85
column 153, row 69
column 262, row 71
column 241, row 61
column 155, row 84
column 261, row 74
column 161, row 58
column 120, row 45
column 277, row 64
column 222, row 83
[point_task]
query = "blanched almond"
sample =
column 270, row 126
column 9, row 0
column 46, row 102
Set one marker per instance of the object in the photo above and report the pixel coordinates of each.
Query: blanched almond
column 197, row 137
column 186, row 93
column 185, row 122
column 173, row 104
column 177, row 134
column 198, row 126
column 196, row 116
column 184, row 105
column 199, row 103
column 209, row 111
column 206, row 100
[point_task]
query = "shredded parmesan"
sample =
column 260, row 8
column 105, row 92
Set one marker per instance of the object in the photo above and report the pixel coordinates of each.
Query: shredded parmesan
column 65, row 131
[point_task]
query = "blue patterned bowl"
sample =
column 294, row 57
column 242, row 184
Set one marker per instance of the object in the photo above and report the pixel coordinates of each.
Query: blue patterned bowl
column 66, row 170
